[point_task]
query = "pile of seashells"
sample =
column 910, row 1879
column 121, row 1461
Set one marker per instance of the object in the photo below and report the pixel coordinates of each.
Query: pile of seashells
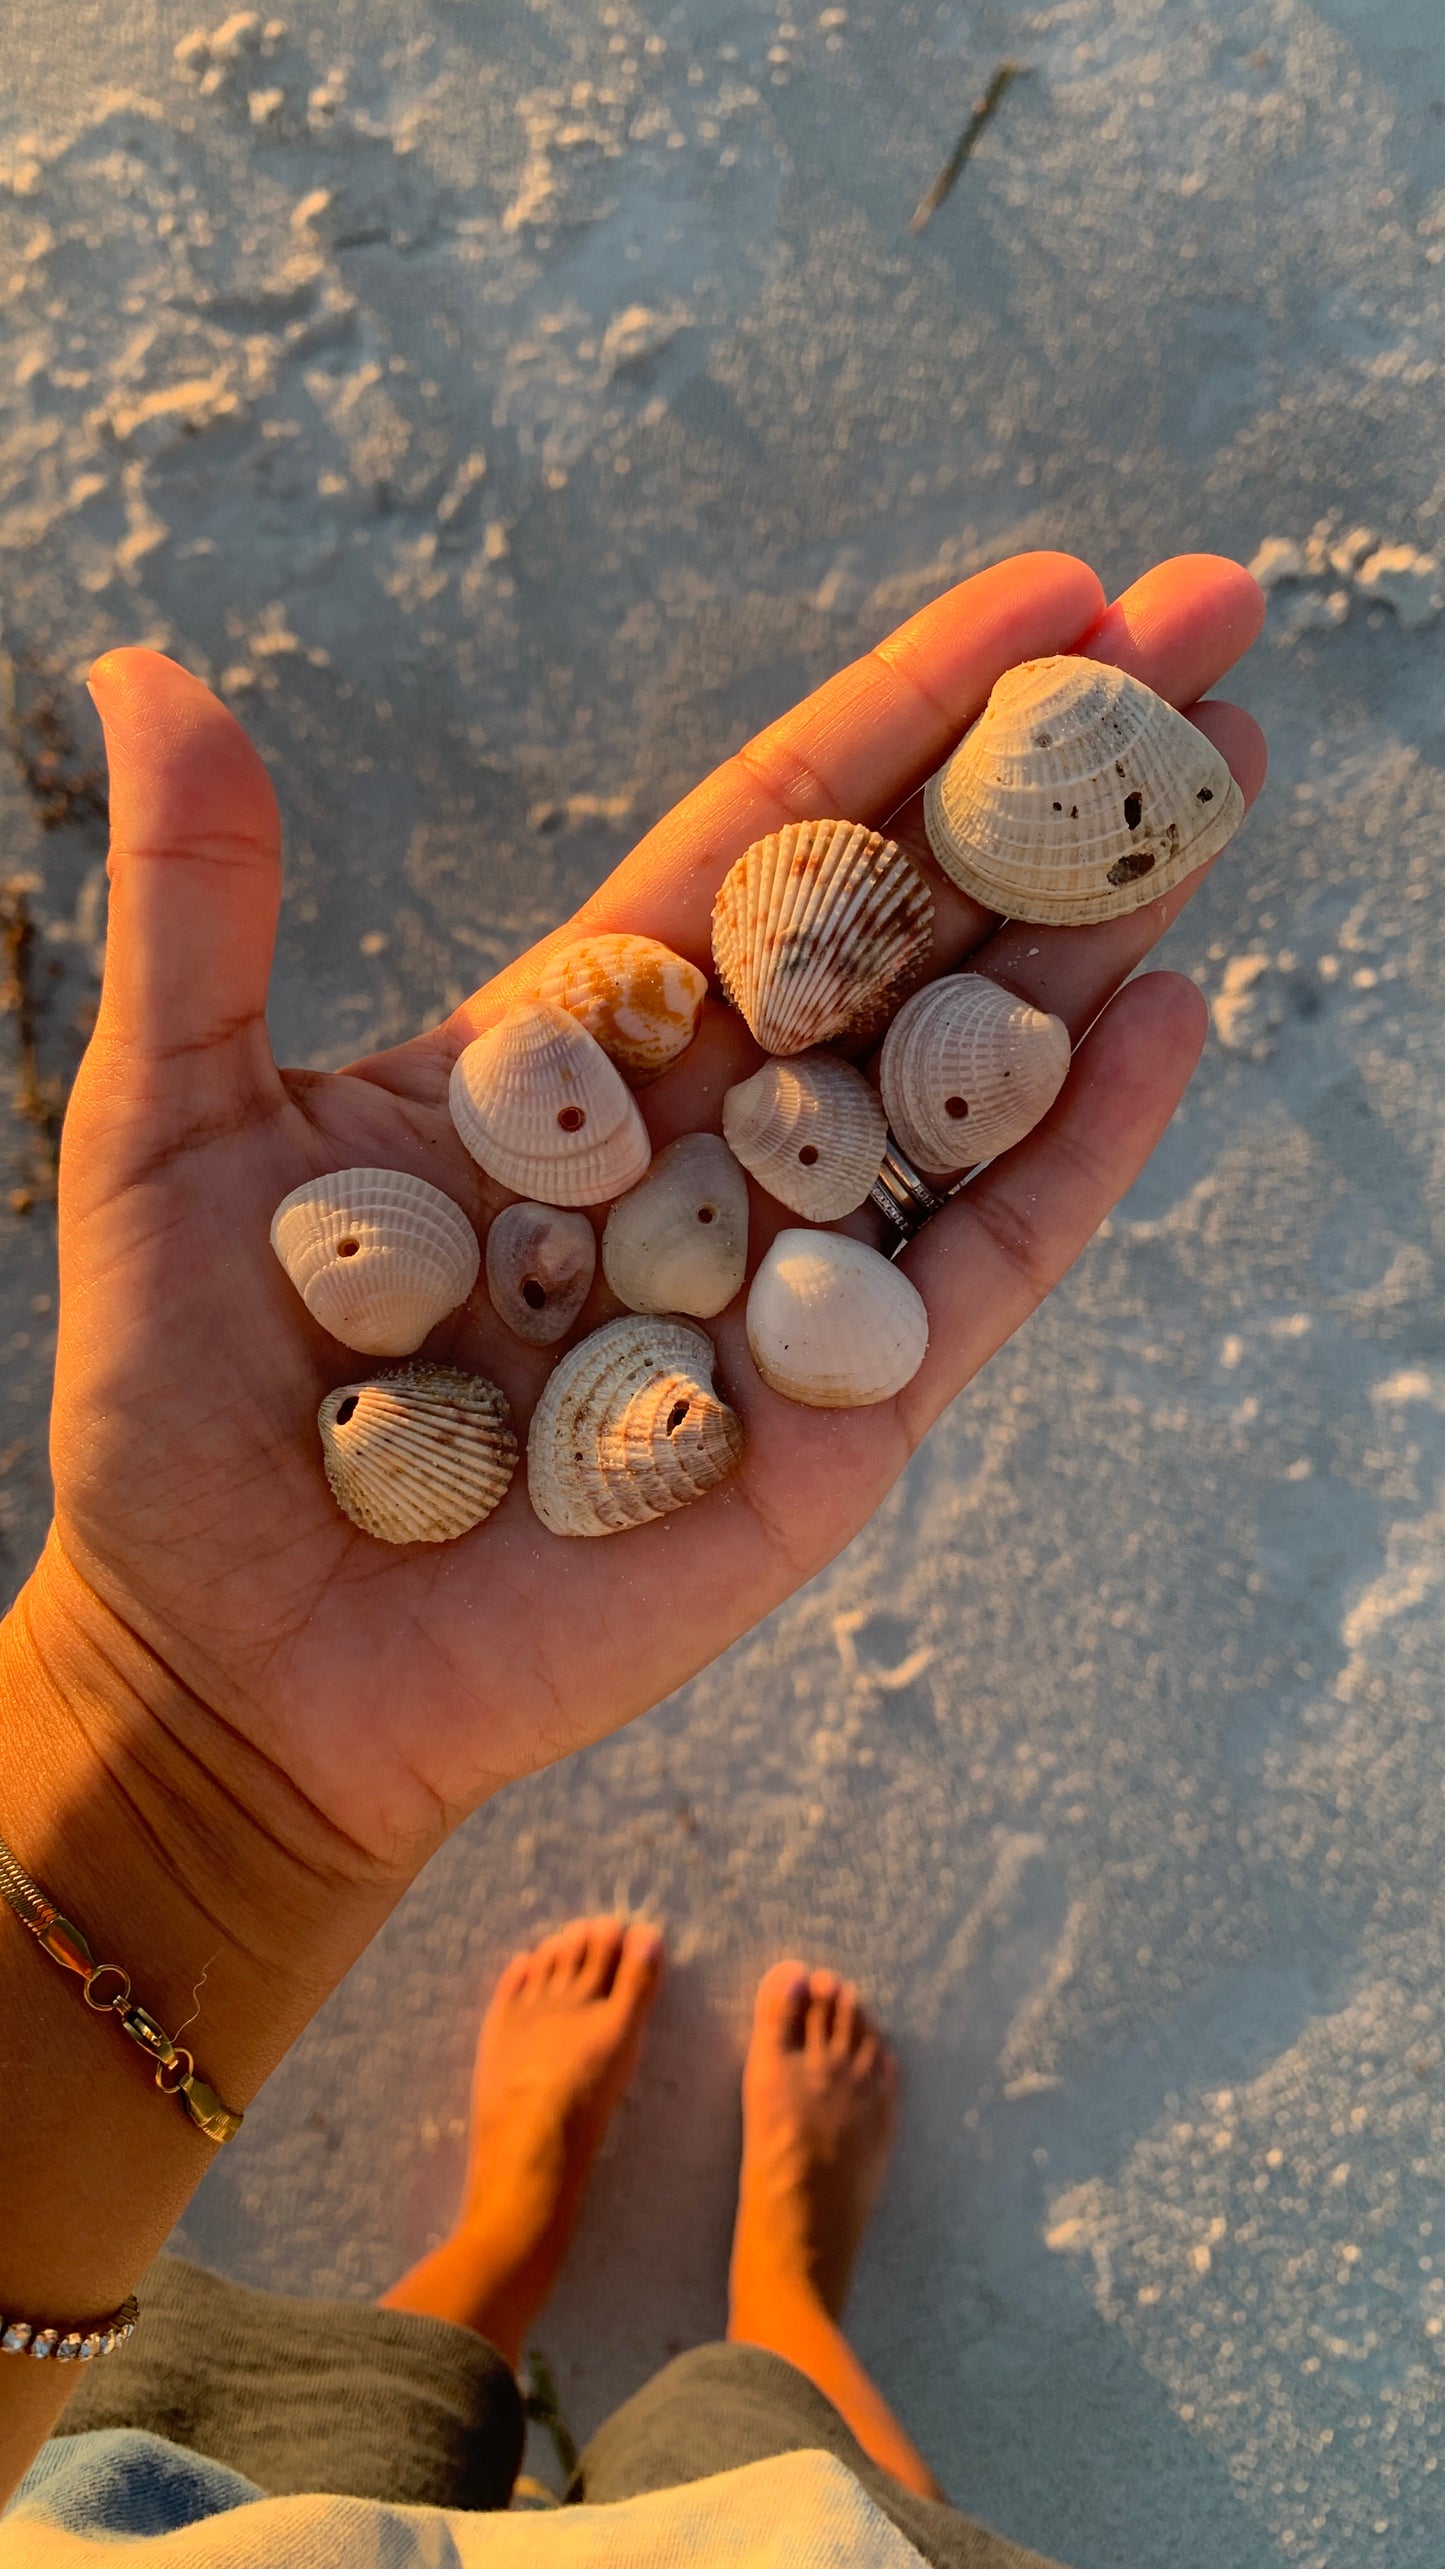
column 1076, row 796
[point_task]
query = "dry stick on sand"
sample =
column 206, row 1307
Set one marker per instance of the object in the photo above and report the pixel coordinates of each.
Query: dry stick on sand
column 984, row 110
column 39, row 1101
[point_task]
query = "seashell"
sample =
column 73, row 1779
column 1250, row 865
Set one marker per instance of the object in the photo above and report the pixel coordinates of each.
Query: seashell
column 377, row 1257
column 540, row 1264
column 820, row 931
column 629, row 1427
column 1078, row 795
column 636, row 998
column 966, row 1070
column 810, row 1130
column 679, row 1241
column 541, row 1109
column 832, row 1324
column 419, row 1455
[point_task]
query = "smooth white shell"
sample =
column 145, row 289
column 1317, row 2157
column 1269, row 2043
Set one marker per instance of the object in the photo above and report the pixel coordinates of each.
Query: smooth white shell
column 420, row 1455
column 377, row 1257
column 679, row 1241
column 810, row 1130
column 819, row 931
column 1078, row 795
column 966, row 1070
column 637, row 998
column 629, row 1427
column 540, row 1263
column 832, row 1324
column 542, row 1110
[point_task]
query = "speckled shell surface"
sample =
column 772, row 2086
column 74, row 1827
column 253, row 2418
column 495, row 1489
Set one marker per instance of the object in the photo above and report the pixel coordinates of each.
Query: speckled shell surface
column 541, row 1259
column 831, row 1324
column 419, row 1455
column 679, row 1241
column 629, row 1427
column 810, row 1130
column 966, row 1070
column 818, row 932
column 378, row 1257
column 636, row 998
column 1079, row 794
column 542, row 1109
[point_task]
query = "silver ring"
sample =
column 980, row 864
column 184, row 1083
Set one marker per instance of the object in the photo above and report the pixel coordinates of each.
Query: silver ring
column 906, row 1198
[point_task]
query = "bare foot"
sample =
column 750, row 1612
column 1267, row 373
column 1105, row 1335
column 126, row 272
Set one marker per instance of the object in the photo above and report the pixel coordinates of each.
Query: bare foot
column 819, row 2093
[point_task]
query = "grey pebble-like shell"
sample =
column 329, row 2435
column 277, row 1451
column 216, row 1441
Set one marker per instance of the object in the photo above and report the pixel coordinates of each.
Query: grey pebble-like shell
column 541, row 1259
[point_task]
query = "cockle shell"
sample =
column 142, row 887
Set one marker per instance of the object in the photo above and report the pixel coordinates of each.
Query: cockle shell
column 832, row 1324
column 419, row 1455
column 377, row 1257
column 540, row 1264
column 966, row 1070
column 629, row 1427
column 637, row 998
column 810, row 1130
column 679, row 1241
column 541, row 1109
column 1078, row 794
column 820, row 931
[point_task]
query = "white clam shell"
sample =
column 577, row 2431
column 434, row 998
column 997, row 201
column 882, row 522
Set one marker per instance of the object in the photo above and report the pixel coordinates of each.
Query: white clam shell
column 542, row 1109
column 832, row 1324
column 540, row 1263
column 377, row 1257
column 629, row 1427
column 810, row 1130
column 636, row 998
column 966, row 1070
column 419, row 1455
column 820, row 931
column 1078, row 795
column 679, row 1241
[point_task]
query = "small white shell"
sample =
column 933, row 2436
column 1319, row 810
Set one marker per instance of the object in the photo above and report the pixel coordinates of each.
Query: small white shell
column 810, row 1130
column 819, row 931
column 418, row 1456
column 540, row 1264
column 541, row 1109
column 377, row 1257
column 637, row 998
column 832, row 1324
column 1078, row 795
column 966, row 1070
column 679, row 1241
column 629, row 1427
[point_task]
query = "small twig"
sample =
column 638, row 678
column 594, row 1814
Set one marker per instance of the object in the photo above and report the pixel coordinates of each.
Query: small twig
column 543, row 2405
column 39, row 1101
column 984, row 110
column 60, row 788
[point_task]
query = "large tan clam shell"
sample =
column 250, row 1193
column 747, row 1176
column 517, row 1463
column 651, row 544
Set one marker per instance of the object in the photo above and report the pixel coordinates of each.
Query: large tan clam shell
column 628, row 1428
column 819, row 931
column 832, row 1324
column 542, row 1110
column 637, row 998
column 679, row 1241
column 1078, row 795
column 540, row 1263
column 377, row 1257
column 966, row 1070
column 419, row 1455
column 810, row 1130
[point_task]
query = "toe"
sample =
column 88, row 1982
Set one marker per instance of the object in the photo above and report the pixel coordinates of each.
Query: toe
column 597, row 1968
column 512, row 1980
column 779, row 2005
column 639, row 1969
column 848, row 2021
column 573, row 1942
column 823, row 1989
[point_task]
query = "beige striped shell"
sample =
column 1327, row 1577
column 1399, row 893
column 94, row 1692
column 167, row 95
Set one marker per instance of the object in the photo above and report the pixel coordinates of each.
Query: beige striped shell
column 966, row 1070
column 638, row 999
column 377, row 1256
column 820, row 931
column 832, row 1324
column 1079, row 794
column 540, row 1263
column 629, row 1427
column 810, row 1130
column 541, row 1108
column 420, row 1455
column 679, row 1241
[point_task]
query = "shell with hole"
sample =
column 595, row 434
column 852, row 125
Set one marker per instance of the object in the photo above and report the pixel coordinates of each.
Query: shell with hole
column 540, row 1263
column 1079, row 794
column 420, row 1455
column 810, row 1130
column 966, row 1070
column 638, row 999
column 679, row 1241
column 819, row 931
column 378, row 1257
column 541, row 1108
column 629, row 1427
column 831, row 1324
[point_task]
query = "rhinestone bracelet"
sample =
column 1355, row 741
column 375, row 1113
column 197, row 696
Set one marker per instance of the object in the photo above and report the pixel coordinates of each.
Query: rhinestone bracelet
column 70, row 2345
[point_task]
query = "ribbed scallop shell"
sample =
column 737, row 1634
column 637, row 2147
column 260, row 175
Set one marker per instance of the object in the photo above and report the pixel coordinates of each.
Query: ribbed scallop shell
column 832, row 1324
column 540, row 1263
column 966, row 1070
column 679, row 1241
column 810, row 1130
column 377, row 1257
column 636, row 998
column 419, row 1455
column 820, row 931
column 628, row 1428
column 542, row 1110
column 1078, row 795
